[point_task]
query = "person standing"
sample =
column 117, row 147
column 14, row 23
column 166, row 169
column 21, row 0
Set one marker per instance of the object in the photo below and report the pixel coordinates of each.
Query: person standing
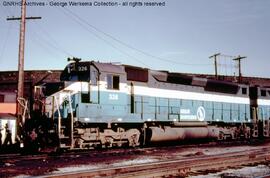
column 8, row 139
column 0, row 137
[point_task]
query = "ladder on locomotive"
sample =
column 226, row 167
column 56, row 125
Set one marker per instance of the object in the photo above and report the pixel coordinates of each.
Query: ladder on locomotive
column 65, row 127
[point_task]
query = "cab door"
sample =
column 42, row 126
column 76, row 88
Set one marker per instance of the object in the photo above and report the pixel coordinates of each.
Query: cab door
column 93, row 85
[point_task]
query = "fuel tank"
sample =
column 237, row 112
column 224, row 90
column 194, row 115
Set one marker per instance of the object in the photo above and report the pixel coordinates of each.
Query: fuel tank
column 159, row 134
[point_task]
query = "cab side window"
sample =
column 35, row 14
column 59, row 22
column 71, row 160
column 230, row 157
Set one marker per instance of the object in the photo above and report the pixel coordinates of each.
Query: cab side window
column 113, row 82
column 244, row 91
column 263, row 92
column 94, row 77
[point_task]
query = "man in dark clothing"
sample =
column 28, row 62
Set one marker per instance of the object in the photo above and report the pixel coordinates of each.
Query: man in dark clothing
column 8, row 139
column 0, row 138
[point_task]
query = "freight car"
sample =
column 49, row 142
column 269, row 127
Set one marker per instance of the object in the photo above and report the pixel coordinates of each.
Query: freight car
column 106, row 105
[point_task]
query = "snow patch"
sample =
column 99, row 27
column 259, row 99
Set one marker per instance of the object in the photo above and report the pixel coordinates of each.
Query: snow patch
column 22, row 176
column 79, row 168
column 246, row 172
column 75, row 169
column 134, row 161
column 215, row 151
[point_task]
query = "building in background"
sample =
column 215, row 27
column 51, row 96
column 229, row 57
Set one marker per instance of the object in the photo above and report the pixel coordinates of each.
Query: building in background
column 7, row 117
column 8, row 98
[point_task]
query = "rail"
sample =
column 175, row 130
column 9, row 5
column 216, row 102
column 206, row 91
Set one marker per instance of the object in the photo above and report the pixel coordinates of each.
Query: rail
column 178, row 167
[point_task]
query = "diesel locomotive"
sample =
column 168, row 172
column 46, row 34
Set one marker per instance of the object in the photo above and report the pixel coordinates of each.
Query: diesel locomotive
column 107, row 105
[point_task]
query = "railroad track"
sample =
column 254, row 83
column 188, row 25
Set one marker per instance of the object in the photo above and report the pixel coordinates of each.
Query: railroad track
column 15, row 164
column 20, row 157
column 120, row 151
column 179, row 167
column 89, row 153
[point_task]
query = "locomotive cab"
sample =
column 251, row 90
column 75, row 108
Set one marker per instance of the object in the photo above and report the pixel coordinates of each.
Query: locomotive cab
column 92, row 106
column 260, row 107
column 263, row 111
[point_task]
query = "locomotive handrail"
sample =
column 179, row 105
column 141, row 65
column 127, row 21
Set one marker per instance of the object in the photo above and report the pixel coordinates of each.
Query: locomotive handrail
column 24, row 103
column 59, row 117
column 72, row 120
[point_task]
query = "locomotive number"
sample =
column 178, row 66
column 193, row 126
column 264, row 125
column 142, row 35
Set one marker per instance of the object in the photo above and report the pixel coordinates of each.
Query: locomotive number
column 82, row 68
column 113, row 97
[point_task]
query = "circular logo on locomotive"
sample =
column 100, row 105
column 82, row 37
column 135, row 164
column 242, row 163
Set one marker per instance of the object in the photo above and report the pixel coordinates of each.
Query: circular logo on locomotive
column 201, row 113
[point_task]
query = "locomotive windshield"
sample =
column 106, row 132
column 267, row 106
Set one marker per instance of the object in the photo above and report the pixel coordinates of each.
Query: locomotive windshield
column 77, row 71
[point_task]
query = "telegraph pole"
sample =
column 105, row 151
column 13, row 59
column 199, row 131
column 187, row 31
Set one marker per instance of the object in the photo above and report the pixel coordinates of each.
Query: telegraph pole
column 239, row 58
column 215, row 61
column 20, row 94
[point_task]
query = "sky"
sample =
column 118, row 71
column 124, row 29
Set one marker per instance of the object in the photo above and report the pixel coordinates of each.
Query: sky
column 179, row 36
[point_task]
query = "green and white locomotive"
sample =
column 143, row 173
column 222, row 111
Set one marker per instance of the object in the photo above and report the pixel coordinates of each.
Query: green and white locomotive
column 106, row 105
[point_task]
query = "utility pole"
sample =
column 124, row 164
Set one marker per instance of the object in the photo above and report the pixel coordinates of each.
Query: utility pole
column 215, row 61
column 20, row 94
column 239, row 58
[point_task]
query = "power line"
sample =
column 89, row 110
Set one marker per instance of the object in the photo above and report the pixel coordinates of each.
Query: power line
column 36, row 39
column 49, row 40
column 20, row 92
column 52, row 42
column 127, row 45
column 106, row 41
column 5, row 41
